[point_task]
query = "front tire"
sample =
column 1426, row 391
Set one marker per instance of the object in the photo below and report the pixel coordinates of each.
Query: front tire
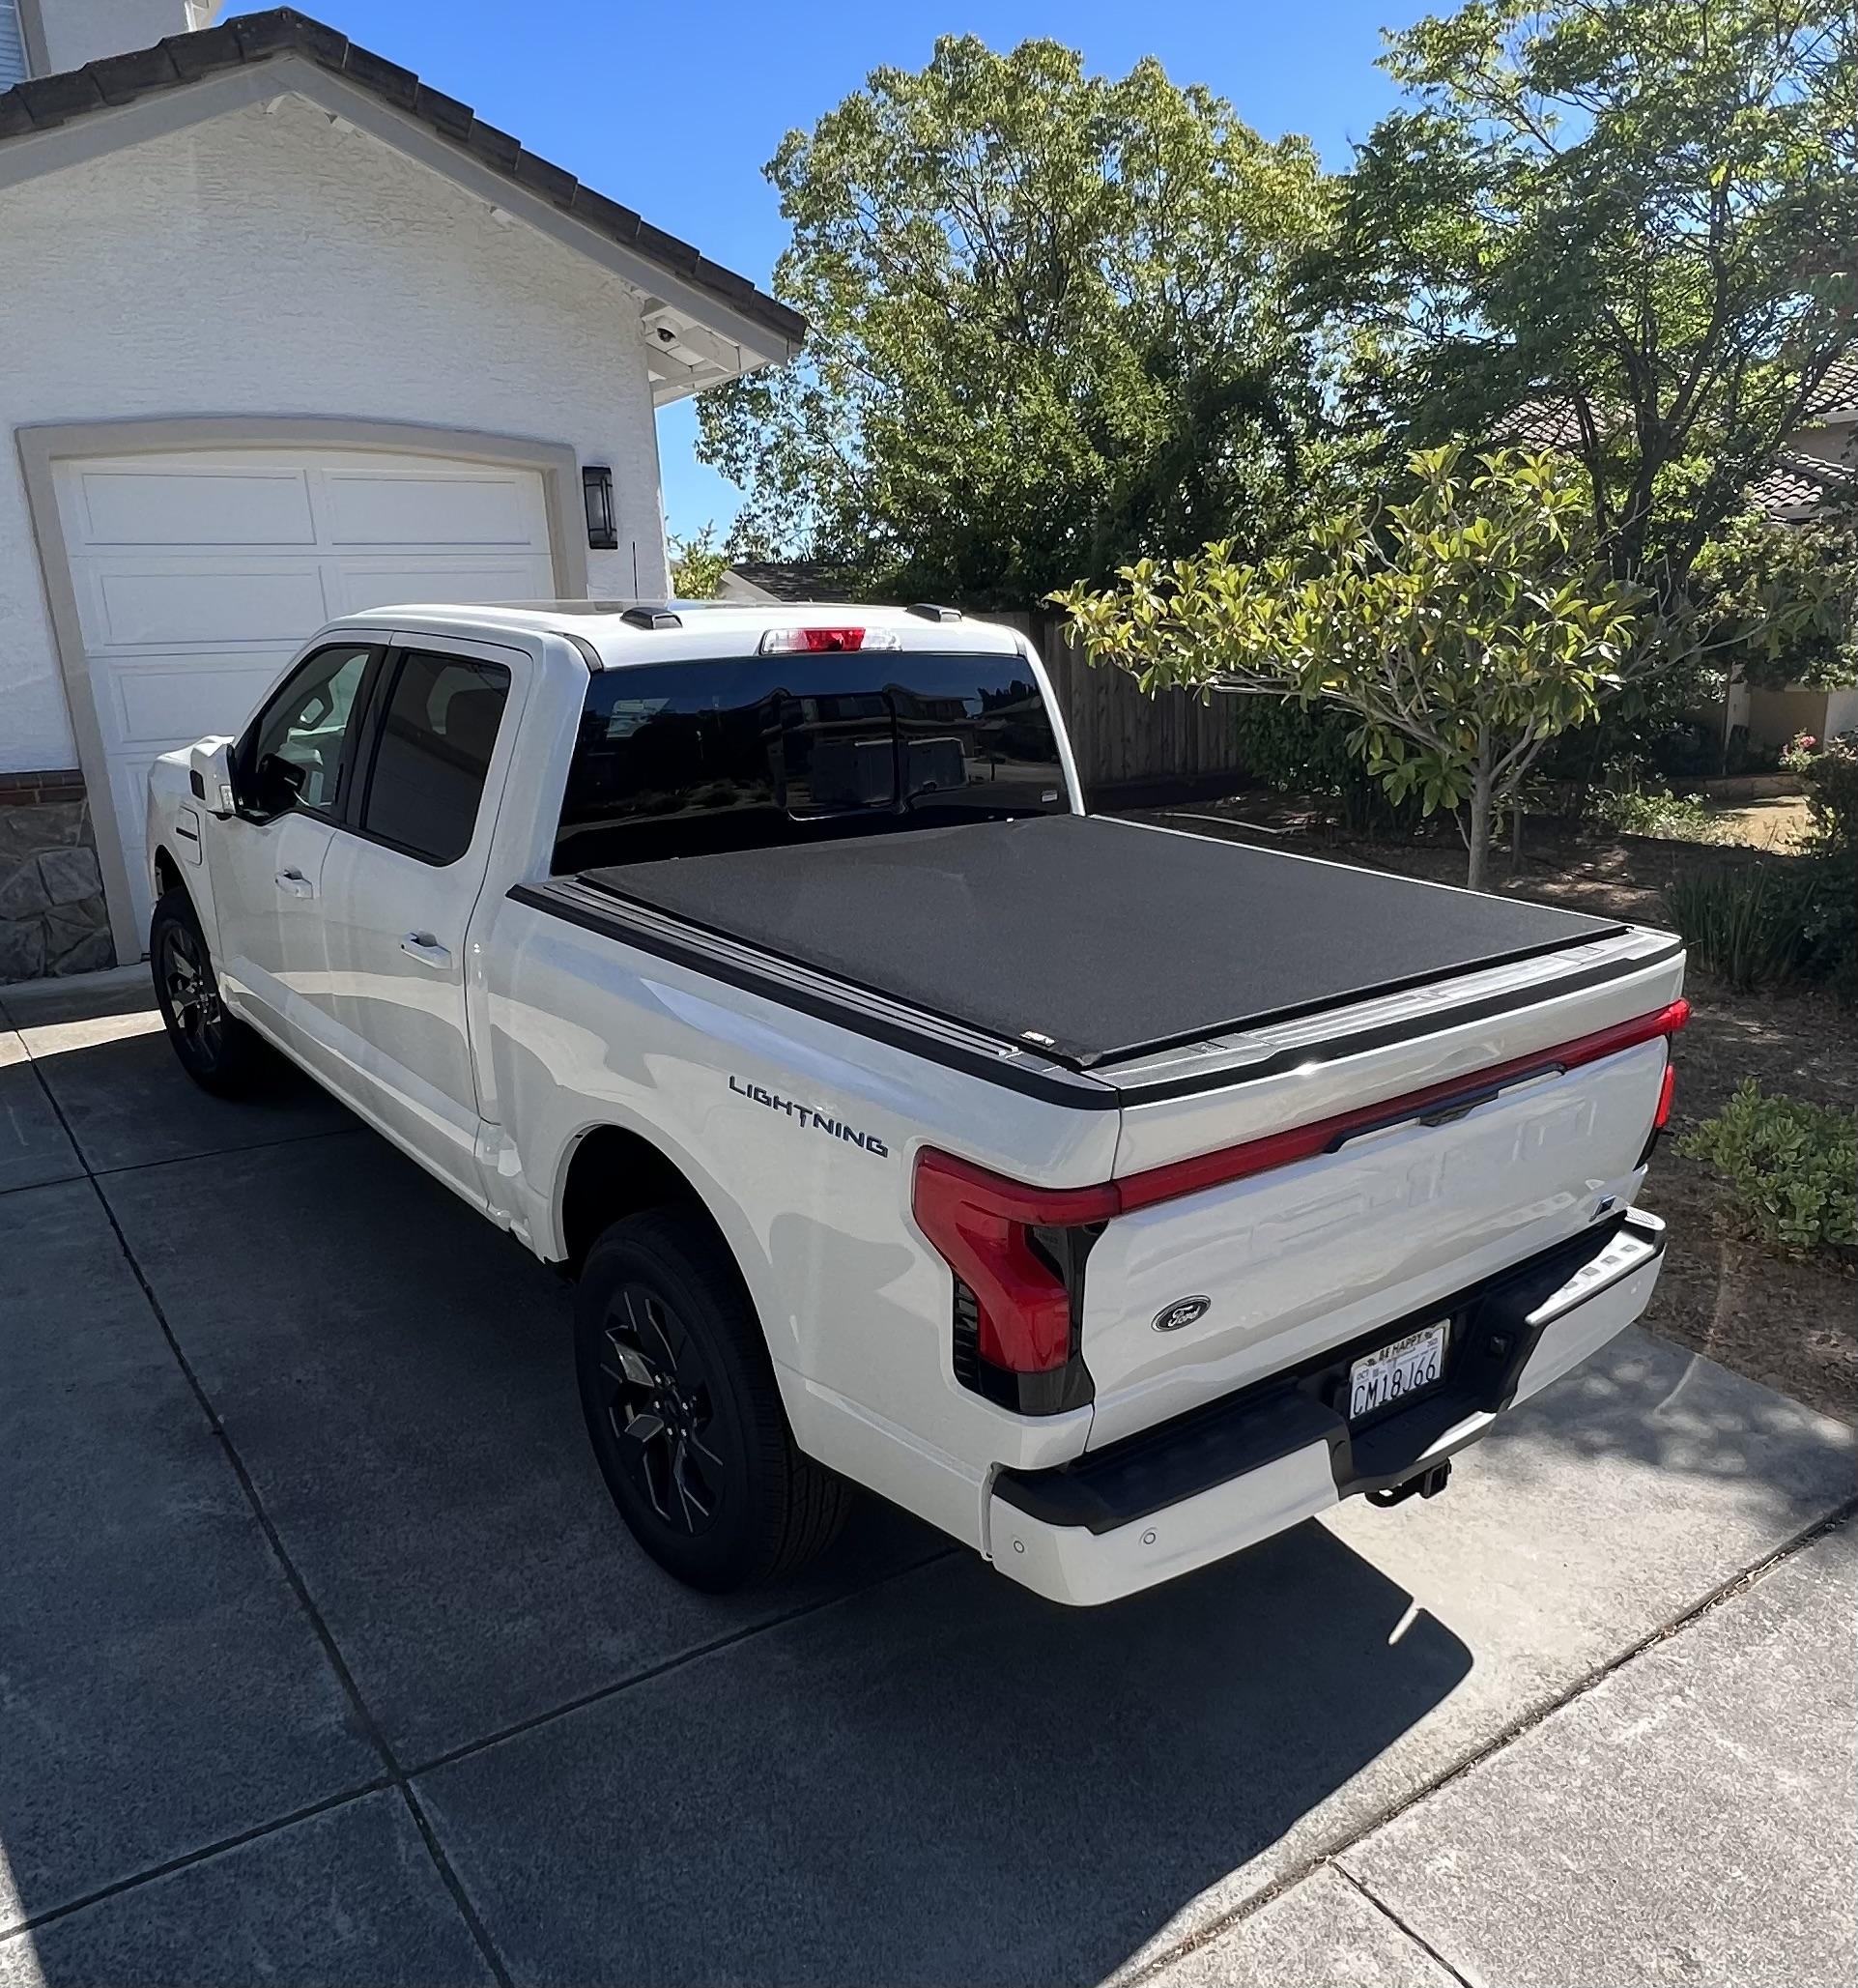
column 219, row 1052
column 683, row 1412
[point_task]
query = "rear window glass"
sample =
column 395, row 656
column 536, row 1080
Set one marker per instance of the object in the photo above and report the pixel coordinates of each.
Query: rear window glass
column 687, row 759
column 441, row 724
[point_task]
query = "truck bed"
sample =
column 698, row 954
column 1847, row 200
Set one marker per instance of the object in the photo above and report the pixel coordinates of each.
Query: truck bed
column 1090, row 939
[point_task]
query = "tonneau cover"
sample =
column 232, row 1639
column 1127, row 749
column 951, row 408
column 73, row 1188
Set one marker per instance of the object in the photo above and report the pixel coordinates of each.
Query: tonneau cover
column 1091, row 938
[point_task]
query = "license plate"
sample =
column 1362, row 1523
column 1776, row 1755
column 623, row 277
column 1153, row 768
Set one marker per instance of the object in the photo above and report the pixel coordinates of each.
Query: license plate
column 1392, row 1373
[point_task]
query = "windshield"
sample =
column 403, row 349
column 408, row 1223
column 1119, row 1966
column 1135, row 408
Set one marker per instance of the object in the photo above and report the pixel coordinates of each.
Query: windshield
column 688, row 759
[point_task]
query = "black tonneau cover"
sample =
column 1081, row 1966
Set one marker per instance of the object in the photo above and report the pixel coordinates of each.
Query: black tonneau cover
column 1093, row 940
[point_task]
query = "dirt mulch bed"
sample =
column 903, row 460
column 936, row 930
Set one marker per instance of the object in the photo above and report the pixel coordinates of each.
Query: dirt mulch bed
column 1785, row 1321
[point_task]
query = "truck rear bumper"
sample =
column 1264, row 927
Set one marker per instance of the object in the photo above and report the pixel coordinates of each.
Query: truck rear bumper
column 1193, row 1490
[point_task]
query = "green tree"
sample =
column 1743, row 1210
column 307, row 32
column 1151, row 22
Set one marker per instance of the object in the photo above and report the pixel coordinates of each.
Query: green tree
column 1050, row 328
column 1464, row 629
column 1622, row 228
column 1778, row 603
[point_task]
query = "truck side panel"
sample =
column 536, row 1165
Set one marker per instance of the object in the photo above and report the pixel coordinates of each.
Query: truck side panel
column 801, row 1139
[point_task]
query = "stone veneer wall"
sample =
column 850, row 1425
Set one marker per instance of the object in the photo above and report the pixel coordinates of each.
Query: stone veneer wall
column 52, row 919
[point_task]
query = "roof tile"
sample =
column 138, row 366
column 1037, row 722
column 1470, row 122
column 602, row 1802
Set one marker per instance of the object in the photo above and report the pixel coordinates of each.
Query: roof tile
column 121, row 78
column 497, row 147
column 608, row 216
column 384, row 77
column 51, row 100
column 552, row 182
column 265, row 34
column 198, row 55
column 450, row 118
column 667, row 248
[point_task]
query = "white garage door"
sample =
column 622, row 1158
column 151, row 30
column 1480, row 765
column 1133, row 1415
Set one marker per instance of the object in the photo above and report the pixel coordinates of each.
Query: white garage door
column 196, row 576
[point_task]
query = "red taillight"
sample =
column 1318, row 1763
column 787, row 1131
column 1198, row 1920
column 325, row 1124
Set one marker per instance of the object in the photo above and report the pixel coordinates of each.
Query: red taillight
column 980, row 1224
column 1666, row 1092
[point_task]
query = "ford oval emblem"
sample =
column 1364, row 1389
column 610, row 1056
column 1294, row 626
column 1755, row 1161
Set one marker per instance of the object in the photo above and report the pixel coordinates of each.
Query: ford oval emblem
column 1183, row 1312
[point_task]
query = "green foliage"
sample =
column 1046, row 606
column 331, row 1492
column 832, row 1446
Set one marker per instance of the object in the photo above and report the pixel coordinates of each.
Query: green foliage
column 1463, row 629
column 1832, row 795
column 1749, row 924
column 698, row 566
column 1634, row 810
column 1778, row 603
column 1791, row 1167
column 1050, row 328
column 1624, row 224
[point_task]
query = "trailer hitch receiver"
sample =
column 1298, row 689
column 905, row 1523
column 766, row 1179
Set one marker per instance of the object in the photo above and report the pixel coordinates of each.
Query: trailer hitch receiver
column 1427, row 1485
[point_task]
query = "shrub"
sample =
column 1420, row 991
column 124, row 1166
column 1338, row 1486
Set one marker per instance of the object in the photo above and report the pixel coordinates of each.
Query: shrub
column 1749, row 924
column 1654, row 811
column 1796, row 756
column 1832, row 795
column 1791, row 1167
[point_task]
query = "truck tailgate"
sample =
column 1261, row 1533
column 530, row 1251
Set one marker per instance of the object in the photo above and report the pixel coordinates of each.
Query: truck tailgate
column 1199, row 1293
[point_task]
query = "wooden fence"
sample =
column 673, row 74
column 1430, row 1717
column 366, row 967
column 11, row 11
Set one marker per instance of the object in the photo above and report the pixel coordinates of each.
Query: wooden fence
column 1122, row 738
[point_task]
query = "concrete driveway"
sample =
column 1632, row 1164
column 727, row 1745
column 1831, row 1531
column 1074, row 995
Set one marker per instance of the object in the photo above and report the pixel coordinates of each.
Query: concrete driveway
column 324, row 1656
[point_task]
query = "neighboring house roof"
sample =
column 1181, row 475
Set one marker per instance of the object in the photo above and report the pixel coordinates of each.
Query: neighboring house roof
column 1838, row 391
column 787, row 580
column 1549, row 425
column 1798, row 484
column 282, row 50
column 1795, row 486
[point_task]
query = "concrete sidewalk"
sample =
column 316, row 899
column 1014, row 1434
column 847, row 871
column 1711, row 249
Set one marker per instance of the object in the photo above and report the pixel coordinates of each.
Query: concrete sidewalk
column 324, row 1656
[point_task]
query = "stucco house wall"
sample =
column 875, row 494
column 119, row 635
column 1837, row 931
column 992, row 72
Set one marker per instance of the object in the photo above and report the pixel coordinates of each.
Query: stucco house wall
column 272, row 262
column 266, row 263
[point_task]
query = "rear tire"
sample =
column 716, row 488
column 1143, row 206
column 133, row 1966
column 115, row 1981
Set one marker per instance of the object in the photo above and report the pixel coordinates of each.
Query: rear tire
column 683, row 1412
column 219, row 1052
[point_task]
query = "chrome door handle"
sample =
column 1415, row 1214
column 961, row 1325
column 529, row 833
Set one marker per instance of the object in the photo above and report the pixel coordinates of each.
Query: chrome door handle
column 423, row 947
column 294, row 884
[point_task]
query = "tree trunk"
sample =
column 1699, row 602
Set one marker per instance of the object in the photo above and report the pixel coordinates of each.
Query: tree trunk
column 1478, row 874
column 1515, row 840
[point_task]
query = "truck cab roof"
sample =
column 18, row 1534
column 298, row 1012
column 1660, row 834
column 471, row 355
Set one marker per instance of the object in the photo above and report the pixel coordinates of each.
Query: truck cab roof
column 617, row 634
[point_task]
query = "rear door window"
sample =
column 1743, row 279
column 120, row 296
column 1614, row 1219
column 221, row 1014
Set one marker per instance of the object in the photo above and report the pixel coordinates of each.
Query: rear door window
column 438, row 727
column 683, row 759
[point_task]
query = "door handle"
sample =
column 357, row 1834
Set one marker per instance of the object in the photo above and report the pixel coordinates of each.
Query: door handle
column 295, row 885
column 423, row 947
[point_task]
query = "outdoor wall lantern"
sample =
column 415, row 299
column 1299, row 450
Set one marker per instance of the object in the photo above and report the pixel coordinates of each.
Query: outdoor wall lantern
column 596, row 487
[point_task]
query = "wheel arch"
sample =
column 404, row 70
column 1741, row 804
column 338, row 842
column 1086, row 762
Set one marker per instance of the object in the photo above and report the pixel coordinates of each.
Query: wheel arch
column 610, row 1171
column 166, row 874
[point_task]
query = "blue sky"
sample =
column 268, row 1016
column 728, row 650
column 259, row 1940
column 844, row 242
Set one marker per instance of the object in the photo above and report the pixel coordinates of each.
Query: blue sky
column 675, row 110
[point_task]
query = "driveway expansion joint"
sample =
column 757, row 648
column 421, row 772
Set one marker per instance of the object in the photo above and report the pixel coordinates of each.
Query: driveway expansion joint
column 203, row 1854
column 1498, row 1742
column 1389, row 1914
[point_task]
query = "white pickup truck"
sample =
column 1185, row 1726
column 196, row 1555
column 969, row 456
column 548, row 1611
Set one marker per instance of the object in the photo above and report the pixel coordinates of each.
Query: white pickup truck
column 1109, row 1196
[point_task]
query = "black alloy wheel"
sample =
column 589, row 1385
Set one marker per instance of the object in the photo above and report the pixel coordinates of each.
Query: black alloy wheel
column 659, row 1409
column 216, row 1048
column 684, row 1412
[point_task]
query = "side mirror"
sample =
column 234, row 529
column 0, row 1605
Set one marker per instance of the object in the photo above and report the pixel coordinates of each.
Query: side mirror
column 280, row 785
column 210, row 774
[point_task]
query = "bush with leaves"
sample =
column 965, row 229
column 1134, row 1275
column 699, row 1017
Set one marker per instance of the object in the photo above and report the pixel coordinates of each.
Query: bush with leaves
column 1628, row 808
column 1791, row 1165
column 698, row 566
column 1832, row 795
